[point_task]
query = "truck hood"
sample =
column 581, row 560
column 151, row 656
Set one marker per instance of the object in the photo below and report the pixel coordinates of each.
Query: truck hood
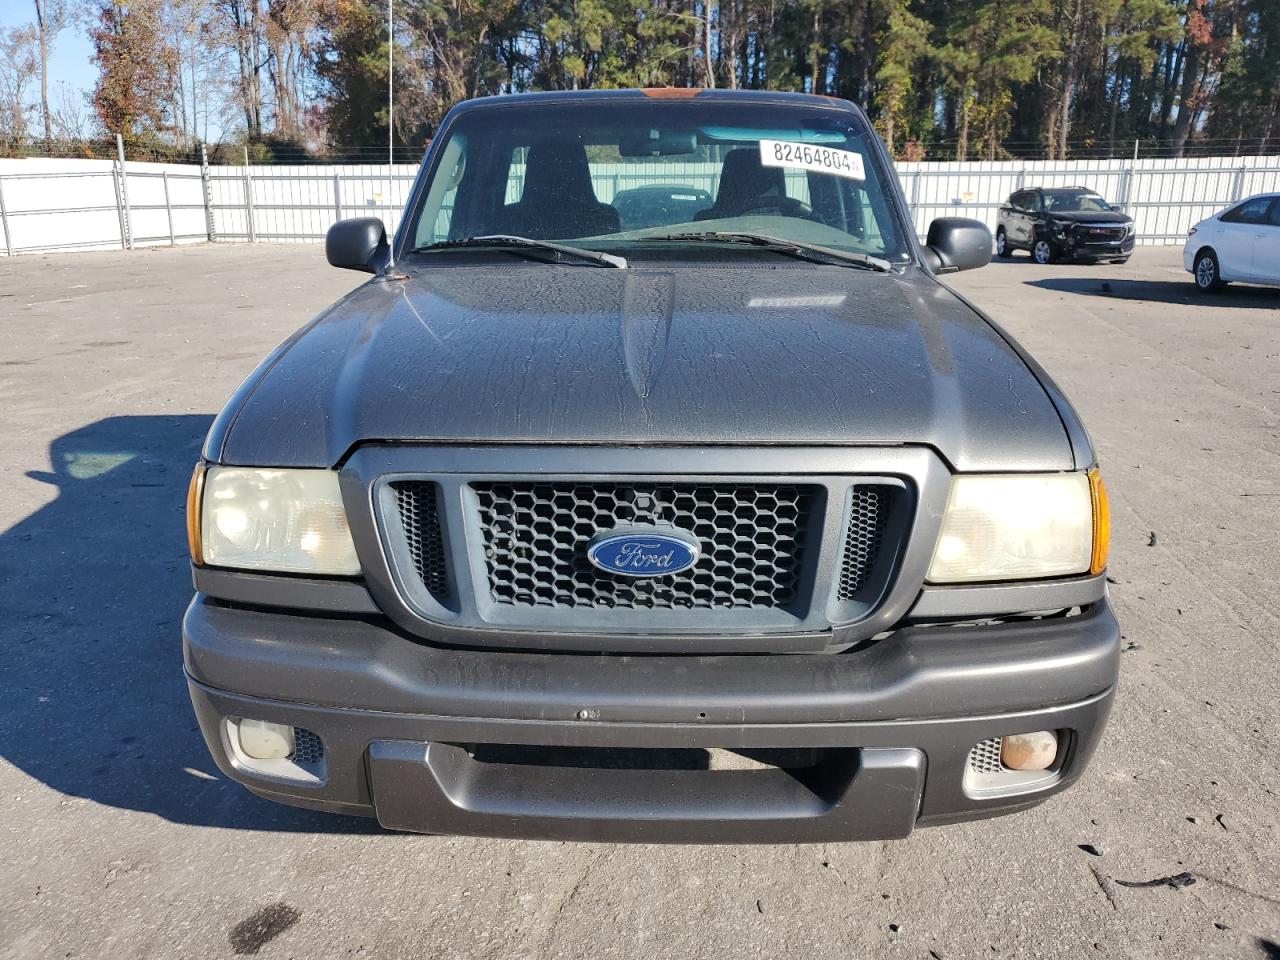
column 762, row 353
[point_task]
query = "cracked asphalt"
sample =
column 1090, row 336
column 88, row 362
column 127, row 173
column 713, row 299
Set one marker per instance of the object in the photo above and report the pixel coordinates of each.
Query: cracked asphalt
column 119, row 838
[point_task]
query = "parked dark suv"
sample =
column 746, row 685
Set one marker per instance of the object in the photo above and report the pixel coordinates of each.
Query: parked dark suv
column 736, row 527
column 1063, row 223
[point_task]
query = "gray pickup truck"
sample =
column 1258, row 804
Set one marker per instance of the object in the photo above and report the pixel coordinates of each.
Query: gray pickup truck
column 735, row 526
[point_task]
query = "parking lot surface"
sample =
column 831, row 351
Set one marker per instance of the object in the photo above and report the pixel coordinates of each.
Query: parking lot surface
column 119, row 838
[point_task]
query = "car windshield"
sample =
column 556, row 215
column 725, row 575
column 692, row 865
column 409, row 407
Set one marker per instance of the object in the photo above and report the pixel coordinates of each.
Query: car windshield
column 606, row 175
column 1074, row 201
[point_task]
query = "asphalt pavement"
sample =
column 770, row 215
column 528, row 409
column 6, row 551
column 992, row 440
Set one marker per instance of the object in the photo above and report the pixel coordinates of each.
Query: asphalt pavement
column 120, row 839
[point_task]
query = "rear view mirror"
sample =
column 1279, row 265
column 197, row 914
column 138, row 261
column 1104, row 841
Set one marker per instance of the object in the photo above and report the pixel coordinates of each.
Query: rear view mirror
column 657, row 143
column 358, row 244
column 957, row 243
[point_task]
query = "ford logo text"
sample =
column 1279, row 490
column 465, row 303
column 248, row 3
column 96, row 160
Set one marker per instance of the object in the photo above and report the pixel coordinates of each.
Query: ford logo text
column 642, row 553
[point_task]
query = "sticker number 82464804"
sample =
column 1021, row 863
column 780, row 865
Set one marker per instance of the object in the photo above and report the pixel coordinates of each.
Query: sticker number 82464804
column 809, row 156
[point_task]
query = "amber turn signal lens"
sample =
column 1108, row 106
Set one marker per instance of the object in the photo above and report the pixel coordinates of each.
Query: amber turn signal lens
column 1101, row 522
column 671, row 93
column 194, row 491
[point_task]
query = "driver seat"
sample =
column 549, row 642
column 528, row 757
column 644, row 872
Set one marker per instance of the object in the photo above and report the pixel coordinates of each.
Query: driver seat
column 559, row 201
column 746, row 184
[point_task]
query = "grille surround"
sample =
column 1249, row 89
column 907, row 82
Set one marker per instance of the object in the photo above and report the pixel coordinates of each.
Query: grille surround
column 816, row 623
column 753, row 540
column 773, row 550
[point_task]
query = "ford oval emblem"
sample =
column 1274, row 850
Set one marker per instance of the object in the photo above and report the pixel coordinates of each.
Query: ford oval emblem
column 643, row 553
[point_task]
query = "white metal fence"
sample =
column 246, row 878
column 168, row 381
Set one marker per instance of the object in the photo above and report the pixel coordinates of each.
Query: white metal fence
column 1164, row 197
column 50, row 205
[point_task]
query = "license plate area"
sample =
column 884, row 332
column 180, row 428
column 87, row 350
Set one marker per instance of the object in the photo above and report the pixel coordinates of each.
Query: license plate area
column 677, row 795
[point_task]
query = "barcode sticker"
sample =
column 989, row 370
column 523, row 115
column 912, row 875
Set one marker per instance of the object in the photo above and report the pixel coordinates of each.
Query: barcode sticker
column 809, row 156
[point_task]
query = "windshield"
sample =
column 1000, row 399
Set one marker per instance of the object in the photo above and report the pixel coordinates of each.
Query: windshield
column 1074, row 201
column 604, row 175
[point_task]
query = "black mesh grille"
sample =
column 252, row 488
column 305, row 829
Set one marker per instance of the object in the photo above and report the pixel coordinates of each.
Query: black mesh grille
column 308, row 749
column 752, row 537
column 416, row 502
column 867, row 514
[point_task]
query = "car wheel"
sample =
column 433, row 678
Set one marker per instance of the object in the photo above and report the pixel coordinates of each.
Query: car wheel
column 1207, row 275
column 1042, row 252
column 1002, row 243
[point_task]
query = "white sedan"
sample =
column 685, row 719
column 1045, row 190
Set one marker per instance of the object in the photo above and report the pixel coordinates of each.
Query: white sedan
column 1240, row 243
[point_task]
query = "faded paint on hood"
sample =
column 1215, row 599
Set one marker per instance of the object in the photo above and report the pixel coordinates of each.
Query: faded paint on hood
column 725, row 353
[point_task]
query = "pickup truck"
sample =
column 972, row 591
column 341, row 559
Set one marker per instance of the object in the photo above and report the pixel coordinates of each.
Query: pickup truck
column 742, row 528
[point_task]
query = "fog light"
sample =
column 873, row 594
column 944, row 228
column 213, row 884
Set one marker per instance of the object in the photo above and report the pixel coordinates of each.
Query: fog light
column 1029, row 751
column 265, row 741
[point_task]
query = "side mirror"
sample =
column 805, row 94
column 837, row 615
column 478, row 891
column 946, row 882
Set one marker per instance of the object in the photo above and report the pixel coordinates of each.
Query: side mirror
column 358, row 244
column 957, row 243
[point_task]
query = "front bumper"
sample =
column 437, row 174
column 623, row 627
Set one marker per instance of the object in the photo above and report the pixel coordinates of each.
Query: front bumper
column 1081, row 248
column 430, row 739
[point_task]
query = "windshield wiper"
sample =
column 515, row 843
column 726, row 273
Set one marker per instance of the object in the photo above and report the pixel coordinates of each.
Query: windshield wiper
column 499, row 240
column 805, row 251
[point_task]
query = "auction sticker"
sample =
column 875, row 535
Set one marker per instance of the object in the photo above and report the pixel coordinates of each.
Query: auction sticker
column 809, row 156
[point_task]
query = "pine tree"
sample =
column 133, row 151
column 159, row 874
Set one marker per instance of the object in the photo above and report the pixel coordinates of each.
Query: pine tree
column 902, row 44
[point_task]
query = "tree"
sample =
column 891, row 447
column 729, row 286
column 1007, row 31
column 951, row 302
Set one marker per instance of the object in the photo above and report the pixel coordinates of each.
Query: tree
column 351, row 65
column 18, row 69
column 70, row 123
column 241, row 28
column 1195, row 67
column 1247, row 100
column 289, row 27
column 1072, row 43
column 990, row 77
column 1135, row 33
column 51, row 17
column 133, row 64
column 995, row 46
column 902, row 43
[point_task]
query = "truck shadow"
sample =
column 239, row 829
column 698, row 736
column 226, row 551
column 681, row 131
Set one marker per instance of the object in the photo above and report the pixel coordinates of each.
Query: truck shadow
column 93, row 587
column 1162, row 291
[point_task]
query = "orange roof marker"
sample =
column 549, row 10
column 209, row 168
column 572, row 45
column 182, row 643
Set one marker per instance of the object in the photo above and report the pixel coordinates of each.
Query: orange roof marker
column 672, row 93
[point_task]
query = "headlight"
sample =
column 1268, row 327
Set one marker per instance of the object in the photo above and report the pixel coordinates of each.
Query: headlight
column 1131, row 227
column 290, row 521
column 1021, row 527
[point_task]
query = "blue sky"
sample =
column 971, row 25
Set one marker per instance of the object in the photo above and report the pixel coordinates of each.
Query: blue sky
column 72, row 60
